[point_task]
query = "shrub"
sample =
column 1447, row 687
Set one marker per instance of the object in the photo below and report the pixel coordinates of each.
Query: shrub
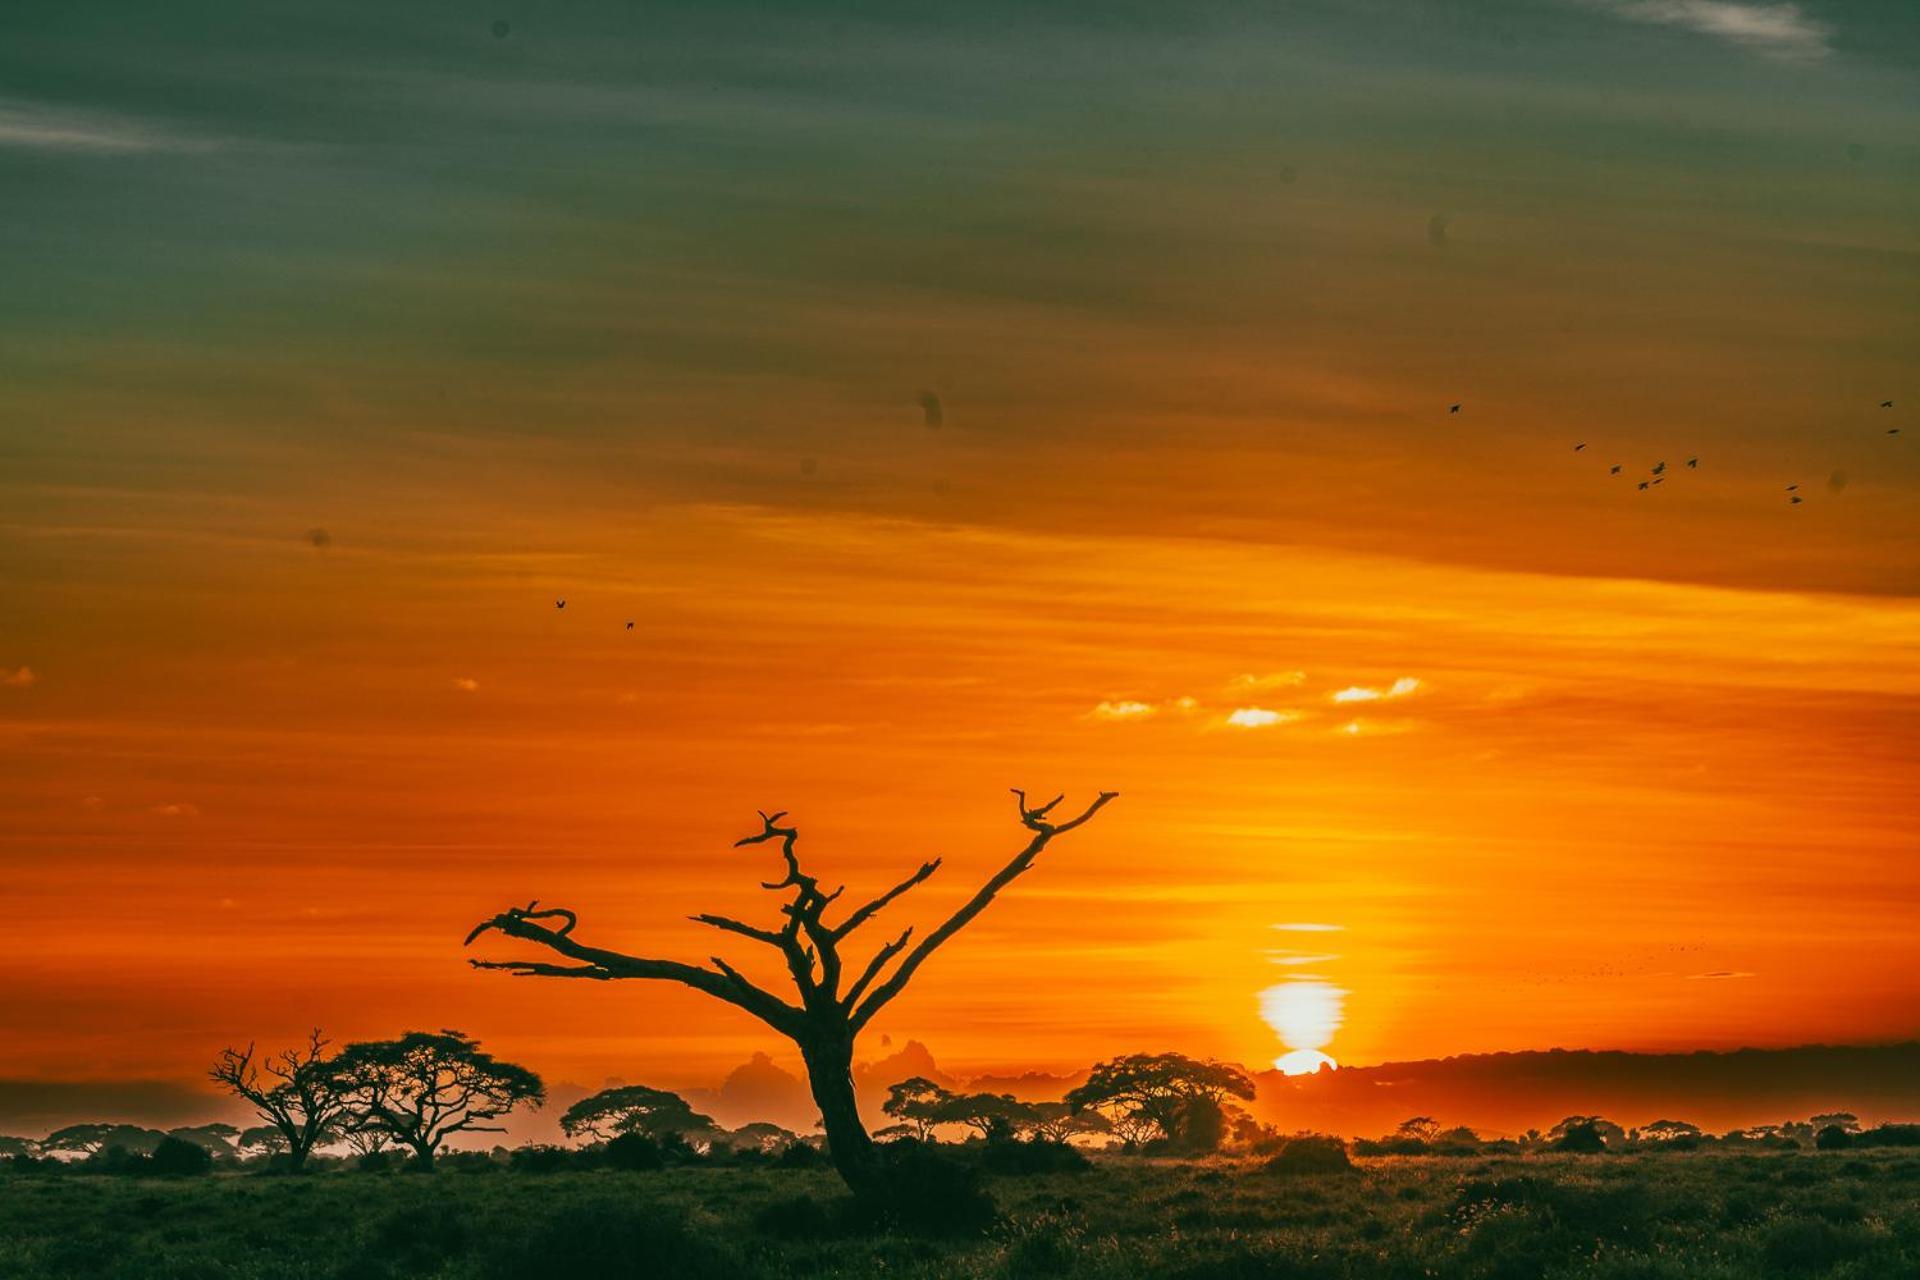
column 923, row 1191
column 1311, row 1153
column 178, row 1158
column 608, row 1237
column 634, row 1152
column 800, row 1155
column 1832, row 1138
column 1009, row 1156
column 795, row 1218
column 374, row 1162
column 1796, row 1245
column 539, row 1159
column 1583, row 1138
column 419, row 1238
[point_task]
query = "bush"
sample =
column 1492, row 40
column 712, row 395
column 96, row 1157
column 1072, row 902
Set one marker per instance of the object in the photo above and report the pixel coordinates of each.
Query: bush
column 178, row 1158
column 800, row 1155
column 1010, row 1156
column 795, row 1218
column 921, row 1190
column 420, row 1238
column 1311, row 1153
column 1582, row 1139
column 1832, row 1138
column 634, row 1152
column 374, row 1162
column 1797, row 1245
column 539, row 1159
column 608, row 1237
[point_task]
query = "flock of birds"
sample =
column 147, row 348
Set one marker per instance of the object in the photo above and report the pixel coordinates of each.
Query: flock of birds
column 1657, row 474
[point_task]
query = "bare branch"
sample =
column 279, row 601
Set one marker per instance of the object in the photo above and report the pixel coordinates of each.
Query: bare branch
column 867, row 912
column 767, row 936
column 1035, row 820
column 537, row 969
column 518, row 923
column 875, row 965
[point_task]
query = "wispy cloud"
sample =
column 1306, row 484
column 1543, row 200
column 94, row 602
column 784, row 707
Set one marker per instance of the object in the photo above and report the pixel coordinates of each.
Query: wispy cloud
column 1271, row 680
column 1359, row 693
column 1718, row 975
column 1308, row 926
column 45, row 127
column 1260, row 717
column 1123, row 711
column 465, row 684
column 1781, row 30
column 176, row 810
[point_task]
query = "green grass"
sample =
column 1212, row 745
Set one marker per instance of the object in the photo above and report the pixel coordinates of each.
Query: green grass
column 1639, row 1217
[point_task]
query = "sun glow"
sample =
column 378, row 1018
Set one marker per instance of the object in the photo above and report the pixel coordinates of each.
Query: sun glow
column 1305, row 1013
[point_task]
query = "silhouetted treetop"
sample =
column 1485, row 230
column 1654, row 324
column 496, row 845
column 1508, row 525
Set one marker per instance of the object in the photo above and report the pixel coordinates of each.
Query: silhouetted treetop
column 426, row 1086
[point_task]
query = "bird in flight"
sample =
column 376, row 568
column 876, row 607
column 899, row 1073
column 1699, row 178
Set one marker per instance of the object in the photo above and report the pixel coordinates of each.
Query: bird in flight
column 1693, row 464
column 1893, row 431
column 1659, row 467
column 560, row 603
column 1659, row 479
column 1792, row 487
column 1795, row 500
column 1453, row 408
column 930, row 410
column 1614, row 470
column 1644, row 483
column 1577, row 448
column 629, row 624
column 1886, row 404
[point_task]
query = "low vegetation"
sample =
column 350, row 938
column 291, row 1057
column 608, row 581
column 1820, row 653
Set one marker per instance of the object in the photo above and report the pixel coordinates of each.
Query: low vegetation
column 1720, row 1214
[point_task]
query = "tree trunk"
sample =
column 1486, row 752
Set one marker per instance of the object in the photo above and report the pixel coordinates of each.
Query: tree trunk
column 830, row 1074
column 297, row 1159
column 423, row 1152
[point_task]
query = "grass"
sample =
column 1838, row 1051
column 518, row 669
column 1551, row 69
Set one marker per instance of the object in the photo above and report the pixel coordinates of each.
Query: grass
column 1505, row 1218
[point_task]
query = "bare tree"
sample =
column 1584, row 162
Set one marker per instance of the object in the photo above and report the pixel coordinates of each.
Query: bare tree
column 832, row 1010
column 296, row 1092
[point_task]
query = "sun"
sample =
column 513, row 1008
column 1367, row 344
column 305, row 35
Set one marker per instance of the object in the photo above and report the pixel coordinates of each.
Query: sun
column 1303, row 1062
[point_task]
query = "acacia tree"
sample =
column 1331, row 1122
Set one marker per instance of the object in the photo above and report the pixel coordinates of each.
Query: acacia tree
column 295, row 1092
column 635, row 1108
column 917, row 1103
column 984, row 1113
column 831, row 1011
column 1058, row 1122
column 425, row 1087
column 1170, row 1091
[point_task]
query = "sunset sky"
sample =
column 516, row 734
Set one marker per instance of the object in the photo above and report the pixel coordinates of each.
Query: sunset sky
column 338, row 342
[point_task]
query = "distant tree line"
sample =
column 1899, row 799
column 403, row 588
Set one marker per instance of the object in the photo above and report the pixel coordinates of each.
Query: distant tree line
column 406, row 1098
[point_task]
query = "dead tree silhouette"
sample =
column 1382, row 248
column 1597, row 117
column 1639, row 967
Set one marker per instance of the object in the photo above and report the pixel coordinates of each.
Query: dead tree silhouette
column 827, row 1020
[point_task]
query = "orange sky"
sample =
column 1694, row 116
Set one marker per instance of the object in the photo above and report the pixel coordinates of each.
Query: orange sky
column 1651, row 779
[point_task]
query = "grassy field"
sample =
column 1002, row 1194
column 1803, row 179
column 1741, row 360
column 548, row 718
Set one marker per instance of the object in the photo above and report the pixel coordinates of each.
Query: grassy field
column 1732, row 1216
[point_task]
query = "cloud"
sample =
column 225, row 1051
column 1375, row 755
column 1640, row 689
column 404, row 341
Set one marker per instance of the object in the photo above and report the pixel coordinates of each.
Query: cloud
column 179, row 809
column 1123, row 710
column 1308, row 926
column 1260, row 717
column 1272, row 680
column 19, row 678
column 465, row 684
column 51, row 128
column 1718, row 975
column 1359, row 693
column 1300, row 957
column 1778, row 29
